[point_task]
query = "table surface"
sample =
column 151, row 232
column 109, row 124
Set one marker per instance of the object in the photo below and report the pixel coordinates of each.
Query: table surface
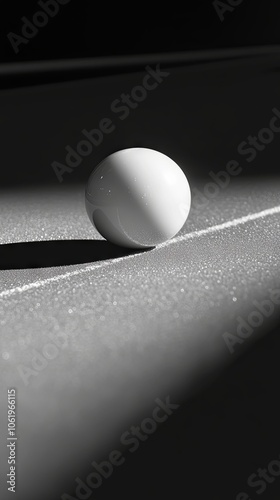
column 130, row 326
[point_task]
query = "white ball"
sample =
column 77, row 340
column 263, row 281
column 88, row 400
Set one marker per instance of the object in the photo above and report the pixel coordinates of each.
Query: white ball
column 138, row 198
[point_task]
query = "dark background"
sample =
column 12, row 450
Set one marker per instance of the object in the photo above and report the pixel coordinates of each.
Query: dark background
column 198, row 116
column 89, row 29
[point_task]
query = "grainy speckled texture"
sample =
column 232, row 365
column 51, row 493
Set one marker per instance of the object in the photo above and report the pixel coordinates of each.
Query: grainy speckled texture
column 131, row 329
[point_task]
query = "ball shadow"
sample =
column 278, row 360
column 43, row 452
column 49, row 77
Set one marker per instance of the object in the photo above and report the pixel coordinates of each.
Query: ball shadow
column 58, row 253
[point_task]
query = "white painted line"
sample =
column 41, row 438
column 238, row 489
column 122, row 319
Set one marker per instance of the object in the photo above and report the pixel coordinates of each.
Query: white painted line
column 224, row 225
column 185, row 237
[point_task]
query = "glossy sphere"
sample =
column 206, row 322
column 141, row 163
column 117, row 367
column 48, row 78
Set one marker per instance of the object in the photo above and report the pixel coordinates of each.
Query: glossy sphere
column 138, row 198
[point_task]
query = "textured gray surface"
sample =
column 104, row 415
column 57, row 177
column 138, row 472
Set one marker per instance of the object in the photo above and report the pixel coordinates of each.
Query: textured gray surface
column 132, row 328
